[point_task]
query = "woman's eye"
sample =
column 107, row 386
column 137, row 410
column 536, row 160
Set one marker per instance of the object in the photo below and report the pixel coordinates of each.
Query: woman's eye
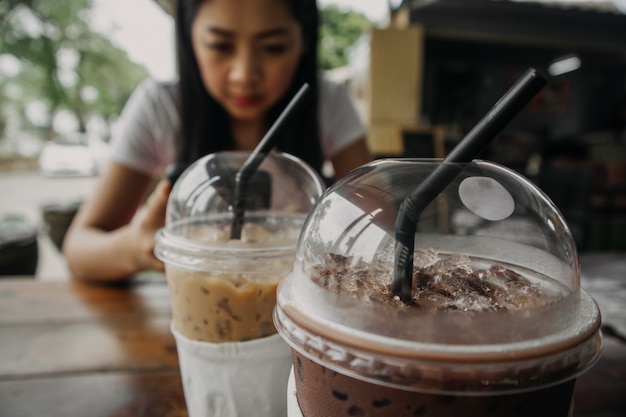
column 220, row 46
column 275, row 49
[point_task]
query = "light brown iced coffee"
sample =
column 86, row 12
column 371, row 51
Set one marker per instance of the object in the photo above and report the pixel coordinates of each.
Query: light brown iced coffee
column 223, row 285
column 217, row 308
column 231, row 296
column 222, row 288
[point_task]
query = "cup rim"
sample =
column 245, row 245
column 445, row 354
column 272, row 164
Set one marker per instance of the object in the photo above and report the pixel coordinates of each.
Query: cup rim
column 424, row 367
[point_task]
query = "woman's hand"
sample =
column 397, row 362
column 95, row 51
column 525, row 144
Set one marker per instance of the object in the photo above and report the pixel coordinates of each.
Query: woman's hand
column 112, row 236
column 146, row 224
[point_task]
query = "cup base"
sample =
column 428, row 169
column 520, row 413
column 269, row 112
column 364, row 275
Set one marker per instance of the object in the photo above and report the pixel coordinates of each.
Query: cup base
column 314, row 390
column 223, row 379
column 293, row 409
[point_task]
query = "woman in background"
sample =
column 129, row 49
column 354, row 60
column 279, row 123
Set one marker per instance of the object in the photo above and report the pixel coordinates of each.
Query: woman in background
column 240, row 62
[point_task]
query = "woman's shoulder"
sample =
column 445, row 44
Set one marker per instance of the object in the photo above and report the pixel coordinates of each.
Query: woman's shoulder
column 328, row 87
column 152, row 89
column 333, row 95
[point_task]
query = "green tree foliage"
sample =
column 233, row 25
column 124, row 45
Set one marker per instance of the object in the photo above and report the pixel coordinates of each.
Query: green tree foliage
column 63, row 62
column 339, row 30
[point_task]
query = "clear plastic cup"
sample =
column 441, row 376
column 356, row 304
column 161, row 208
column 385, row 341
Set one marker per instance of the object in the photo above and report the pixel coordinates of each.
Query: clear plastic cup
column 223, row 290
column 497, row 323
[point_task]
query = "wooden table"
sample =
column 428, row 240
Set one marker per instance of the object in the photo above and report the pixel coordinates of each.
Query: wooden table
column 81, row 350
column 73, row 349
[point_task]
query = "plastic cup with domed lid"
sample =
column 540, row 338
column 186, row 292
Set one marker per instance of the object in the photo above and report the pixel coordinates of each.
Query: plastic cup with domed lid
column 223, row 289
column 496, row 322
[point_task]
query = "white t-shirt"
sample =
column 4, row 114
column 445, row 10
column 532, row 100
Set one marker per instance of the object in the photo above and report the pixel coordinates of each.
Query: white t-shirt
column 144, row 137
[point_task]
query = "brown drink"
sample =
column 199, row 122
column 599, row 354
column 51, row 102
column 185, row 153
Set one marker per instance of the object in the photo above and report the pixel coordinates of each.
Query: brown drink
column 497, row 324
column 231, row 295
column 223, row 288
column 342, row 395
column 239, row 310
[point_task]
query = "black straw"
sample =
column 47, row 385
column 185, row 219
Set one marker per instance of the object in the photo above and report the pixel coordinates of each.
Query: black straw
column 466, row 150
column 257, row 156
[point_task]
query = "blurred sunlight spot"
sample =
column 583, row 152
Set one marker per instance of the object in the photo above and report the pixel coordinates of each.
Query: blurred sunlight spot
column 64, row 122
column 27, row 21
column 375, row 10
column 67, row 58
column 142, row 29
column 10, row 66
column 89, row 94
column 67, row 77
column 37, row 113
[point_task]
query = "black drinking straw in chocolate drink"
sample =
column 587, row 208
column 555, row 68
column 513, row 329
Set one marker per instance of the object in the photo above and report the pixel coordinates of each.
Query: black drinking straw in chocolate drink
column 249, row 167
column 468, row 148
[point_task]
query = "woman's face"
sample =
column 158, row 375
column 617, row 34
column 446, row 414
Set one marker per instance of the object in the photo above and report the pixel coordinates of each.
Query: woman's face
column 247, row 53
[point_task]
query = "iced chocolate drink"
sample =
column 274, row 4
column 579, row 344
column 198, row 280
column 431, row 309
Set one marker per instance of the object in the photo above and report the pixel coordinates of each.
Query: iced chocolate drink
column 342, row 395
column 496, row 324
column 231, row 296
column 442, row 283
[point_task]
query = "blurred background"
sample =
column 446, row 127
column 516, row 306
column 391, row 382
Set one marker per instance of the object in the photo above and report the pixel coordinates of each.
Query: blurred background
column 422, row 72
column 66, row 70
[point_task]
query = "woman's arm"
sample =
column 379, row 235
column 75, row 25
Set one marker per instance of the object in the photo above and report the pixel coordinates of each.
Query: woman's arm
column 351, row 157
column 106, row 241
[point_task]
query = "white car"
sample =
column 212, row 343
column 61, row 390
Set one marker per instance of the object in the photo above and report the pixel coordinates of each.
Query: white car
column 67, row 160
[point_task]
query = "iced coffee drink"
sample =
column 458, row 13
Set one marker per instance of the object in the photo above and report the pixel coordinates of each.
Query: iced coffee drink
column 223, row 287
column 497, row 324
column 231, row 297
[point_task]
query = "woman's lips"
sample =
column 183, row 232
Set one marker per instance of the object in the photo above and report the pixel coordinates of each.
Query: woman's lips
column 246, row 100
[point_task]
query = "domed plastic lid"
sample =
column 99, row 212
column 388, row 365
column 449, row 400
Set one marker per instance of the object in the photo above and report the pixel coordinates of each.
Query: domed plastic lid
column 199, row 215
column 496, row 303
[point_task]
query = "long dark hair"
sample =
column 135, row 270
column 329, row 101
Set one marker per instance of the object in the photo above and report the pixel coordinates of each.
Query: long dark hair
column 204, row 123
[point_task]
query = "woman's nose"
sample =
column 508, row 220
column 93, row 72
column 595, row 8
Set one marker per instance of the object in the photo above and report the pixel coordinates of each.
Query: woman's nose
column 246, row 68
